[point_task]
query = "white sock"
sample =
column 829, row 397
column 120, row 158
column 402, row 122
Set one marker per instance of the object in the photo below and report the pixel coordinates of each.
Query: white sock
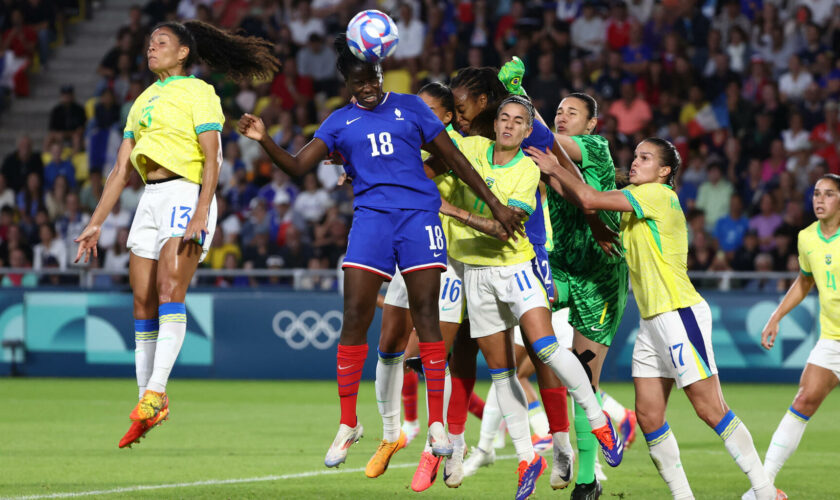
column 785, row 441
column 388, row 388
column 561, row 440
column 614, row 409
column 569, row 370
column 514, row 406
column 457, row 439
column 172, row 318
column 739, row 443
column 490, row 420
column 665, row 454
column 145, row 339
column 538, row 419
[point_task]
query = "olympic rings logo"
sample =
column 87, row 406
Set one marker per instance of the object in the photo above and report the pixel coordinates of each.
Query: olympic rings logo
column 308, row 328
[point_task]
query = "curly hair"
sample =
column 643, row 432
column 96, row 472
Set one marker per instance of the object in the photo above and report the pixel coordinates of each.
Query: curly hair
column 239, row 57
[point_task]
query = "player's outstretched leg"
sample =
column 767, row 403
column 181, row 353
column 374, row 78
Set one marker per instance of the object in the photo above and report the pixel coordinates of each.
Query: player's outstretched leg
column 389, row 375
column 350, row 361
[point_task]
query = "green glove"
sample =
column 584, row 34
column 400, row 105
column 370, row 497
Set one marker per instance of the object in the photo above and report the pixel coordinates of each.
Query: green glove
column 511, row 76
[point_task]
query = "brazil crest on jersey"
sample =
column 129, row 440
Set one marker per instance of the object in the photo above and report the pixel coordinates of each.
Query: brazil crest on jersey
column 381, row 151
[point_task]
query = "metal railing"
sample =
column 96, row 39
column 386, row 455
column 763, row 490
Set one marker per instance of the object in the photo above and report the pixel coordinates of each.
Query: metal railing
column 314, row 279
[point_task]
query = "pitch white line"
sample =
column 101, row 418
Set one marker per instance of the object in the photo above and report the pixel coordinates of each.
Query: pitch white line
column 212, row 482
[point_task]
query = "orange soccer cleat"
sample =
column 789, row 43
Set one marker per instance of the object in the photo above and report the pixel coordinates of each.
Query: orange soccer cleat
column 149, row 405
column 378, row 463
column 139, row 428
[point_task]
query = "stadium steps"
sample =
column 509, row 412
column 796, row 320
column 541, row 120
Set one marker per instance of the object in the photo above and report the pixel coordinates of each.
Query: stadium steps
column 73, row 64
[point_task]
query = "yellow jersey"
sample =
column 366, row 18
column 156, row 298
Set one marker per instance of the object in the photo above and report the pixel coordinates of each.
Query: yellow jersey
column 165, row 121
column 514, row 184
column 816, row 259
column 655, row 240
column 447, row 185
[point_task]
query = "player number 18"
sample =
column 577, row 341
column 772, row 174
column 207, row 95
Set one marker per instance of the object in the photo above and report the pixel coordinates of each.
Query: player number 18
column 435, row 237
column 385, row 146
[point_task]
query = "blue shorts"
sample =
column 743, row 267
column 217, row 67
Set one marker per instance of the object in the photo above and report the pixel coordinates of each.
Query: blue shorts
column 543, row 270
column 381, row 240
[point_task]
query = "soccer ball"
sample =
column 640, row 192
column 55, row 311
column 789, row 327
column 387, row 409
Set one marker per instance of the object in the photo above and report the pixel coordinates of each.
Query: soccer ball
column 372, row 36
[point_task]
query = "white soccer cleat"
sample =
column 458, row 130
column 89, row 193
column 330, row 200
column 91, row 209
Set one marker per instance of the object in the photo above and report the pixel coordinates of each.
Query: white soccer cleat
column 439, row 440
column 411, row 429
column 563, row 467
column 346, row 436
column 478, row 458
column 599, row 470
column 453, row 471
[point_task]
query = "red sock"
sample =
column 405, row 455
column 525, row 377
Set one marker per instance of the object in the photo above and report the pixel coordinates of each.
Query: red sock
column 409, row 395
column 433, row 355
column 349, row 363
column 556, row 409
column 476, row 404
column 456, row 416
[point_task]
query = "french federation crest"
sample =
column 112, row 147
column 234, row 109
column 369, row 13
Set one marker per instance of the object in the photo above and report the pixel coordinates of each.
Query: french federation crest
column 828, row 259
column 490, row 181
column 398, row 113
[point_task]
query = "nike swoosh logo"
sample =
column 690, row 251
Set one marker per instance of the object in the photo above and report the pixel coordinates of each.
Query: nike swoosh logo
column 438, row 254
column 596, row 329
column 528, row 297
column 354, row 119
column 809, row 253
column 683, row 373
column 436, row 362
column 344, row 367
column 447, row 308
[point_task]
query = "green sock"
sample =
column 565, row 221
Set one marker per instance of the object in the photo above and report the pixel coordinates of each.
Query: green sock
column 587, row 445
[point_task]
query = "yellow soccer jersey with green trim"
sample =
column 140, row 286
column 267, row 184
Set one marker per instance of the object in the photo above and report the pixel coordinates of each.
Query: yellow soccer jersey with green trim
column 655, row 240
column 447, row 185
column 819, row 257
column 514, row 184
column 165, row 121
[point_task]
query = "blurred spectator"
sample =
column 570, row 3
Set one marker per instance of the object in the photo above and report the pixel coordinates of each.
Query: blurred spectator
column 55, row 197
column 18, row 260
column 701, row 252
column 731, row 228
column 568, row 10
column 737, row 50
column 243, row 191
column 292, row 88
column 544, row 88
column 31, row 199
column 118, row 219
column 109, row 65
column 792, row 84
column 20, row 162
column 775, row 164
column 631, row 111
column 305, row 24
column 67, row 120
column 763, row 263
column 785, row 246
column 713, row 195
column 257, row 254
column 825, row 137
column 231, row 261
column 220, row 248
column 618, row 27
column 313, row 201
column 72, row 223
column 589, row 31
column 91, row 192
column 295, row 253
column 258, row 221
column 412, row 37
column 21, row 41
column 40, row 15
column 796, row 138
column 117, row 257
column 280, row 189
column 766, row 222
column 744, row 257
column 316, row 61
column 49, row 247
column 7, row 196
column 58, row 166
column 608, row 83
column 131, row 194
column 696, row 102
column 730, row 17
column 14, row 240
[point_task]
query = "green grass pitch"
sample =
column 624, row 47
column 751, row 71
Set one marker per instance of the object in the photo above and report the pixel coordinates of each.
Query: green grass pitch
column 59, row 436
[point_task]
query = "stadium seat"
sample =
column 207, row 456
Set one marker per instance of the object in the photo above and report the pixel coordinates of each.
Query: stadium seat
column 90, row 107
column 397, row 80
column 80, row 163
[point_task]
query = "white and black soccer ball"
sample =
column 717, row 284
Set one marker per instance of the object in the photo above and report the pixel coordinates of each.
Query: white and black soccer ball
column 372, row 35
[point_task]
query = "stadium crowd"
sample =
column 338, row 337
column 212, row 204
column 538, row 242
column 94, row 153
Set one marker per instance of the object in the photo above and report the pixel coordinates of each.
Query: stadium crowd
column 747, row 90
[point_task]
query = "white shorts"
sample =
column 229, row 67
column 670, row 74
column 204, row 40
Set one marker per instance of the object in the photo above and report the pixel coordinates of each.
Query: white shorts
column 676, row 344
column 826, row 354
column 451, row 293
column 163, row 212
column 498, row 296
column 562, row 330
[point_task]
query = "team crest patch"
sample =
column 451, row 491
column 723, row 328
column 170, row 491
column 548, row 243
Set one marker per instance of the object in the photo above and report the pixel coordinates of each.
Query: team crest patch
column 398, row 113
column 490, row 181
column 828, row 259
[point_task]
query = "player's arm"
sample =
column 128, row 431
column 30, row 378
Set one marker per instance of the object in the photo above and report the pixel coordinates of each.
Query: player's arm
column 307, row 158
column 797, row 292
column 487, row 226
column 114, row 185
column 443, row 147
column 575, row 190
column 210, row 143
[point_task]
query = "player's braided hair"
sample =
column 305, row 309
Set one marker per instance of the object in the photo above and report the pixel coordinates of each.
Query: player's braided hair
column 833, row 178
column 668, row 156
column 478, row 81
column 239, row 57
column 346, row 61
column 442, row 93
column 522, row 101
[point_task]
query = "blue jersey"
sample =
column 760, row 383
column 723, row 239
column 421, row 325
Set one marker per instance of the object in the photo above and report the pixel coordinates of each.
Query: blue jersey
column 381, row 151
column 542, row 139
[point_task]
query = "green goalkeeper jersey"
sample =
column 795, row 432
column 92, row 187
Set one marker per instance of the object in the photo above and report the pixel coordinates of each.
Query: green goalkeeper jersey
column 575, row 250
